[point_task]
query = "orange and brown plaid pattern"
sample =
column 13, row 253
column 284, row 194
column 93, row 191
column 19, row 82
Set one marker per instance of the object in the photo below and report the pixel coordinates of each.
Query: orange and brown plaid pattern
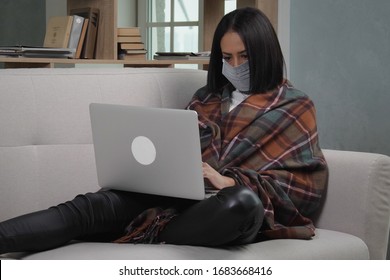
column 268, row 143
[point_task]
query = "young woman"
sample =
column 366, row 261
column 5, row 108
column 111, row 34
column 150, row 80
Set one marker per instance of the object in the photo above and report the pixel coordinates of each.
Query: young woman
column 260, row 150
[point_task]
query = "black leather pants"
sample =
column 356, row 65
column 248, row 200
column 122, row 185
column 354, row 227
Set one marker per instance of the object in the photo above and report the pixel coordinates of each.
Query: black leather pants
column 233, row 216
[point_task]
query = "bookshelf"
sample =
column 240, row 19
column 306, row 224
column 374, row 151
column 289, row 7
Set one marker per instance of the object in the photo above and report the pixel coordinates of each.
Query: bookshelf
column 213, row 12
column 106, row 47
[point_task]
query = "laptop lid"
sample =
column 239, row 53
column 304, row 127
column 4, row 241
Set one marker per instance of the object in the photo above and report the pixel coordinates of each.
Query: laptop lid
column 147, row 150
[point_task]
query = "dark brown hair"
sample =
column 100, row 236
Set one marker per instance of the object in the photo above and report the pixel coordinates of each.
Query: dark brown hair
column 266, row 62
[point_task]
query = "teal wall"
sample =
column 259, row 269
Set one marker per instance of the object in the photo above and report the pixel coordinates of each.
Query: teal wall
column 340, row 56
column 22, row 22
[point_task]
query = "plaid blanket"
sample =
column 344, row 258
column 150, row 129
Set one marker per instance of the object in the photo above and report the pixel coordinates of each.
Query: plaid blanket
column 268, row 143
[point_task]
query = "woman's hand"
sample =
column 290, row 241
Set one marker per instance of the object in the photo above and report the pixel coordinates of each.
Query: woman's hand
column 217, row 180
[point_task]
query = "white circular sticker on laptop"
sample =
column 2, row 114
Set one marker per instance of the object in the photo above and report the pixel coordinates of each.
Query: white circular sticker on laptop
column 143, row 150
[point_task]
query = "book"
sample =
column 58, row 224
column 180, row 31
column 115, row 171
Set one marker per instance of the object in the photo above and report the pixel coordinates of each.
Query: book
column 171, row 57
column 133, row 51
column 131, row 54
column 82, row 38
column 129, row 39
column 132, row 46
column 92, row 14
column 128, row 31
column 58, row 32
column 132, row 57
column 75, row 33
column 181, row 56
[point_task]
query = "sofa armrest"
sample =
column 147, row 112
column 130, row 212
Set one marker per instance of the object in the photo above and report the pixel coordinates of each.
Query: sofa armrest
column 358, row 198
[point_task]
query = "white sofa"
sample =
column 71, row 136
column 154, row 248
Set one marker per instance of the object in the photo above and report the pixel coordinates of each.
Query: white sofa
column 46, row 157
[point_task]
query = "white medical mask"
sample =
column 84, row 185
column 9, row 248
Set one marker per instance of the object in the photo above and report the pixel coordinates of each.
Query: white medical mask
column 238, row 76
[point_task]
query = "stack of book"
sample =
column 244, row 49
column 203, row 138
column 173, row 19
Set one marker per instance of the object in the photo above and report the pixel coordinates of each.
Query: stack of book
column 77, row 32
column 66, row 32
column 92, row 16
column 35, row 52
column 182, row 55
column 130, row 44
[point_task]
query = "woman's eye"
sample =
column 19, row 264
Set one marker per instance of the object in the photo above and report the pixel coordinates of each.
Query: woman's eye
column 244, row 56
column 226, row 58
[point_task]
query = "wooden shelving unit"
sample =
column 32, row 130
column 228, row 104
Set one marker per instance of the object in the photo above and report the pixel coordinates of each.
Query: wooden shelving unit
column 106, row 47
column 213, row 12
column 21, row 62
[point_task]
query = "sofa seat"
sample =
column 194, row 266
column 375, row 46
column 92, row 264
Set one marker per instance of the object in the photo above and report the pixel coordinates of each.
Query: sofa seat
column 321, row 247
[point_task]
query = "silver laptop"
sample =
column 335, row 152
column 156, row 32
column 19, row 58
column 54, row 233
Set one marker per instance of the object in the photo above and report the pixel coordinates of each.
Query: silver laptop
column 148, row 150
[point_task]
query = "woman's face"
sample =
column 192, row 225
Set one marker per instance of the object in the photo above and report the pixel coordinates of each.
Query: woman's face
column 233, row 49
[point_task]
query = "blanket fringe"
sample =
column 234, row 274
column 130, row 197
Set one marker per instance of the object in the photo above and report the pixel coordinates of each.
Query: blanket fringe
column 146, row 227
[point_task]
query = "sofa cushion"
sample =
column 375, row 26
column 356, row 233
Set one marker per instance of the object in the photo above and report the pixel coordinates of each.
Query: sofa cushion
column 325, row 245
